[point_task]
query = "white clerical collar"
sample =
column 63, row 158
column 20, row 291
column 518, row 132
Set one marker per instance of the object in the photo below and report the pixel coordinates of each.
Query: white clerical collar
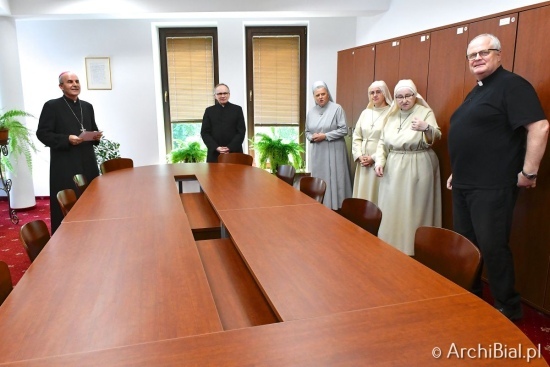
column 480, row 83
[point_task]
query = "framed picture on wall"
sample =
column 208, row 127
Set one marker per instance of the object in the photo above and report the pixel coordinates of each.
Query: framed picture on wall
column 98, row 73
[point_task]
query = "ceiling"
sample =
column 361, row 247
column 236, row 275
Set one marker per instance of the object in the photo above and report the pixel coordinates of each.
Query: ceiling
column 105, row 9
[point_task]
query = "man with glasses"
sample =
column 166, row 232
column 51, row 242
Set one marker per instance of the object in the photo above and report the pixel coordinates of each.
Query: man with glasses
column 223, row 126
column 497, row 138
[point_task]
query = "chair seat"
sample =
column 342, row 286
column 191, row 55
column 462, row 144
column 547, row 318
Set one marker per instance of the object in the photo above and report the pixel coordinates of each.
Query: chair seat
column 81, row 183
column 66, row 199
column 5, row 282
column 286, row 173
column 364, row 213
column 236, row 158
column 313, row 187
column 116, row 164
column 449, row 254
column 34, row 236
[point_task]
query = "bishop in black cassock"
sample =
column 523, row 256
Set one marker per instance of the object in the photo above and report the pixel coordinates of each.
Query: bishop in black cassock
column 61, row 122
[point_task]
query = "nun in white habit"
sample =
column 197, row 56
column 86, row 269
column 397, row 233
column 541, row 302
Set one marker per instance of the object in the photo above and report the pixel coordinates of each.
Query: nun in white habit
column 328, row 159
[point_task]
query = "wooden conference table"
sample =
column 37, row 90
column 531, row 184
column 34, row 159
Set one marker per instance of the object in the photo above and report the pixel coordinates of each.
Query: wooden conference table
column 122, row 283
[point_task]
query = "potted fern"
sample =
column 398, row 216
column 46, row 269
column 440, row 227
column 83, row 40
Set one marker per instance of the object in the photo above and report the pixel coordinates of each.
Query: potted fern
column 275, row 152
column 187, row 153
column 17, row 137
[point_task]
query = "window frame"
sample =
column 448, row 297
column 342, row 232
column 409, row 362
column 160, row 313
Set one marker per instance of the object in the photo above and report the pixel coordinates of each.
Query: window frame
column 165, row 33
column 252, row 31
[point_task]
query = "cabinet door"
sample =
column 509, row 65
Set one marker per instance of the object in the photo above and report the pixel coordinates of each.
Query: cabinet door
column 386, row 65
column 414, row 55
column 363, row 77
column 345, row 81
column 444, row 95
column 530, row 234
column 504, row 28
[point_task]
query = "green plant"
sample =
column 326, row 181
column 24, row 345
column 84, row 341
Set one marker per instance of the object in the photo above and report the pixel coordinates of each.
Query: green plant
column 272, row 149
column 20, row 137
column 188, row 153
column 105, row 150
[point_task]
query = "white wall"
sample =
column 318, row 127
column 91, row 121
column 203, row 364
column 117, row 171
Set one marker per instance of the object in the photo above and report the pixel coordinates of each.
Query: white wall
column 131, row 113
column 4, row 7
column 11, row 91
column 404, row 17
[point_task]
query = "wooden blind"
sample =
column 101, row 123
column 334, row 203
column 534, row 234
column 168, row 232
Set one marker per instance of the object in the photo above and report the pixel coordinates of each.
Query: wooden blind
column 276, row 71
column 190, row 64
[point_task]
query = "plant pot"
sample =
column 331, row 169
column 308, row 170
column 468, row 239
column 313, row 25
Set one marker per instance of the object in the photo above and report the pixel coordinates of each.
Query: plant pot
column 4, row 135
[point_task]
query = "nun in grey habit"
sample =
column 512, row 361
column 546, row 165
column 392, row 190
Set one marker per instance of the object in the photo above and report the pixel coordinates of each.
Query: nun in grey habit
column 328, row 159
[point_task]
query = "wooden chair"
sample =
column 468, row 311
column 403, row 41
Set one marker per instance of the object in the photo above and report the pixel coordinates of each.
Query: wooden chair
column 286, row 173
column 34, row 236
column 364, row 213
column 236, row 158
column 448, row 253
column 5, row 282
column 66, row 199
column 116, row 164
column 81, row 183
column 313, row 187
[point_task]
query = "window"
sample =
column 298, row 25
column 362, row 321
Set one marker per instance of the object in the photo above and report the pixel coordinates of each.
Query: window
column 189, row 72
column 276, row 78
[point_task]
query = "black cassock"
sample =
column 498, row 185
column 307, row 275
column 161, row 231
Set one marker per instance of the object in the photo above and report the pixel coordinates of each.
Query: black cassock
column 60, row 118
column 223, row 126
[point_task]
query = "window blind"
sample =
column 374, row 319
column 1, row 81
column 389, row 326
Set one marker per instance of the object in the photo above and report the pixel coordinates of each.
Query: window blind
column 276, row 77
column 190, row 64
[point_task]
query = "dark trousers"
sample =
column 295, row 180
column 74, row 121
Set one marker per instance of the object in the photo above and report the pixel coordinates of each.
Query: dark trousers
column 485, row 218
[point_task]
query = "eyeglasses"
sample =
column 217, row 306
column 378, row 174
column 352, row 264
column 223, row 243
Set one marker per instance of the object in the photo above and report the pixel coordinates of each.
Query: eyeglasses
column 406, row 96
column 222, row 94
column 482, row 53
column 373, row 92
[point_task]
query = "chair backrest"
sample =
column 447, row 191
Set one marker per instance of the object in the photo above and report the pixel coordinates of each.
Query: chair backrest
column 313, row 187
column 5, row 282
column 364, row 213
column 66, row 199
column 236, row 158
column 81, row 183
column 115, row 164
column 448, row 253
column 34, row 236
column 286, row 172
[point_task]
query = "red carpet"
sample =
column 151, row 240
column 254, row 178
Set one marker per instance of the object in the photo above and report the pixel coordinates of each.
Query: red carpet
column 534, row 324
column 11, row 250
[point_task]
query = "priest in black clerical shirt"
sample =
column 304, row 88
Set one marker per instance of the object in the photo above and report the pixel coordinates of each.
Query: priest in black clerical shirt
column 223, row 126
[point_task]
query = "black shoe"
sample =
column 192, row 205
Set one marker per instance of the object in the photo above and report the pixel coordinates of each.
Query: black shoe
column 512, row 314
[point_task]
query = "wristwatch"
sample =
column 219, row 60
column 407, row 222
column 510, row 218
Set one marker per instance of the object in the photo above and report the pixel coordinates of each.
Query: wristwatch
column 530, row 176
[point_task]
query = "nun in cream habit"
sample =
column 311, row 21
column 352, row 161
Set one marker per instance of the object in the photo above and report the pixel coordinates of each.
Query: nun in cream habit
column 365, row 139
column 410, row 185
column 328, row 159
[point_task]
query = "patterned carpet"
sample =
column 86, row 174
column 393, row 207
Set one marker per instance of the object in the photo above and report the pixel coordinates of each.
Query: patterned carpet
column 534, row 324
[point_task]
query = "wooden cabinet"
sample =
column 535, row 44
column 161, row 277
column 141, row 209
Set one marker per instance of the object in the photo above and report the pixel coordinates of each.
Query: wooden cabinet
column 344, row 83
column 414, row 53
column 355, row 74
column 435, row 60
column 364, row 76
column 530, row 236
column 386, row 65
column 445, row 94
